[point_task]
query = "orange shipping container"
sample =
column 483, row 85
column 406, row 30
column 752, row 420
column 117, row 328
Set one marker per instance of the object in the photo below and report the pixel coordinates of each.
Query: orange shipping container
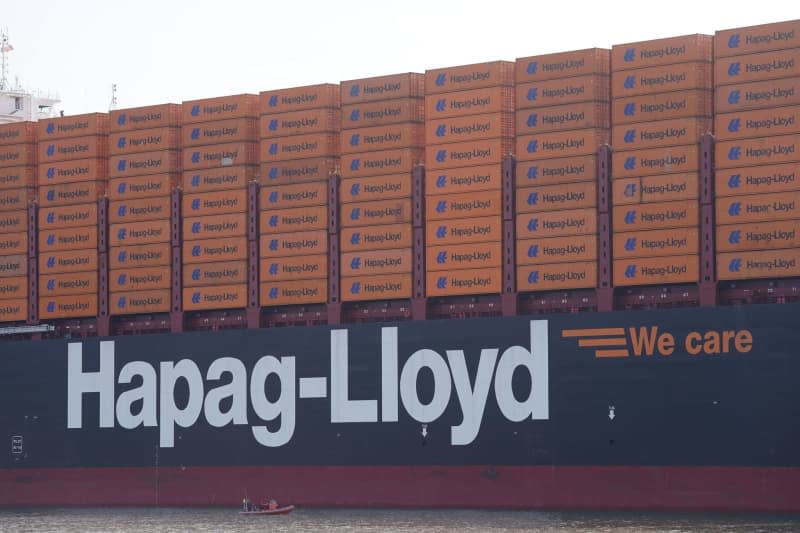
column 299, row 195
column 756, row 67
column 214, row 226
column 17, row 133
column 759, row 236
column 374, row 188
column 313, row 145
column 683, row 49
column 232, row 130
column 661, row 106
column 220, row 155
column 294, row 219
column 475, row 102
column 406, row 85
column 298, row 171
column 676, row 77
column 666, row 188
column 305, row 122
column 71, row 193
column 13, row 221
column 469, row 128
column 581, row 248
column 219, row 108
column 73, row 126
column 760, row 179
column 293, row 268
column 761, row 38
column 215, row 203
column 145, row 232
column 67, row 216
column 758, row 208
column 215, row 297
column 656, row 270
column 13, row 265
column 302, row 243
column 557, row 197
column 306, row 291
column 757, row 95
column 557, row 223
column 566, row 91
column 17, row 155
column 142, row 186
column 386, row 287
column 382, row 162
column 67, row 261
column 382, row 237
column 465, row 77
column 218, row 179
column 376, row 212
column 553, row 171
column 73, row 306
column 560, row 144
column 12, row 177
column 653, row 161
column 462, row 256
column 140, row 209
column 56, row 240
column 656, row 243
column 149, row 140
column 13, row 243
column 72, row 171
column 136, row 279
column 162, row 161
column 13, row 310
column 471, row 153
column 458, row 282
column 757, row 123
column 563, row 65
column 760, row 264
column 64, row 284
column 13, row 288
column 383, row 112
column 654, row 216
column 139, row 118
column 92, row 146
column 299, row 98
column 760, row 151
column 580, row 116
column 225, row 273
column 464, row 205
column 389, row 137
column 376, row 262
column 127, row 303
column 15, row 199
column 660, row 133
column 551, row 277
column 464, row 230
column 464, row 180
column 211, row 250
column 142, row 255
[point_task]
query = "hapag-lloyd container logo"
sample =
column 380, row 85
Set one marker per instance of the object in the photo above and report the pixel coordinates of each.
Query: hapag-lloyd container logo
column 152, row 401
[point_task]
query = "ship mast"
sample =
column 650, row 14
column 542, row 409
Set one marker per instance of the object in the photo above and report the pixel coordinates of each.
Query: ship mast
column 5, row 48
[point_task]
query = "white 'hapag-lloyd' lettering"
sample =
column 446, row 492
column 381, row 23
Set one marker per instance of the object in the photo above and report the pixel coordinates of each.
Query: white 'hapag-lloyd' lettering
column 137, row 407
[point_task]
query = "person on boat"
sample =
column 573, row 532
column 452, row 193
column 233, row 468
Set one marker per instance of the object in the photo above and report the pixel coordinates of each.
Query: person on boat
column 247, row 505
column 272, row 504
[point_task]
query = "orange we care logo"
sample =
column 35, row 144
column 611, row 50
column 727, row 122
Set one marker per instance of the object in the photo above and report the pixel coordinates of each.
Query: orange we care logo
column 650, row 341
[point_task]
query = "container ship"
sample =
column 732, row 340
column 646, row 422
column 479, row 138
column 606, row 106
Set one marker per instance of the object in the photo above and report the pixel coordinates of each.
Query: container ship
column 565, row 281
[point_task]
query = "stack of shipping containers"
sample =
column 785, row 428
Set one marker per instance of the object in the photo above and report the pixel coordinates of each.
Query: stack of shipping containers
column 662, row 93
column 72, row 175
column 469, row 126
column 217, row 135
column 17, row 180
column 757, row 125
column 382, row 141
column 145, row 162
column 563, row 117
column 299, row 131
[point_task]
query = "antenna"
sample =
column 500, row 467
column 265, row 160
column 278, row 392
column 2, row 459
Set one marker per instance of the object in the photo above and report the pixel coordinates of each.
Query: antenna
column 5, row 48
column 113, row 105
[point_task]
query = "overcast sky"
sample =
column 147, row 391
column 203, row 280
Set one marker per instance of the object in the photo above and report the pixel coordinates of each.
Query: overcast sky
column 170, row 51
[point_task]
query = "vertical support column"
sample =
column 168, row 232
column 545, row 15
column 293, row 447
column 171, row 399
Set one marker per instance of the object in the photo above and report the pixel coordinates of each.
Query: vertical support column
column 103, row 317
column 605, row 288
column 253, row 311
column 708, row 275
column 334, row 301
column 419, row 303
column 33, row 265
column 176, row 311
column 509, row 300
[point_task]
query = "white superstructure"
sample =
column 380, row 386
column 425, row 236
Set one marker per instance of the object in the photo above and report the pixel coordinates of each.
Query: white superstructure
column 16, row 103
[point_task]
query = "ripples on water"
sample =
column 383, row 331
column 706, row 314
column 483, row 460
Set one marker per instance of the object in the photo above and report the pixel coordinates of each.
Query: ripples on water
column 143, row 520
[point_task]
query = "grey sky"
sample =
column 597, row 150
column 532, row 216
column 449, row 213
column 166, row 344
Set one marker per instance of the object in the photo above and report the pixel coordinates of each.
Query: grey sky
column 170, row 51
